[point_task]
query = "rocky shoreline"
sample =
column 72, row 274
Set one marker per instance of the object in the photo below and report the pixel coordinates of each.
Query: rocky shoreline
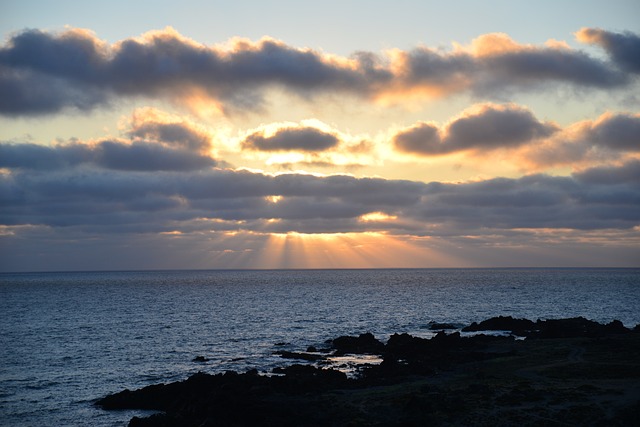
column 557, row 372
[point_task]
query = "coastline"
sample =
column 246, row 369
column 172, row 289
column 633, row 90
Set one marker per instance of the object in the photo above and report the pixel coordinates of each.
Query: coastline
column 567, row 371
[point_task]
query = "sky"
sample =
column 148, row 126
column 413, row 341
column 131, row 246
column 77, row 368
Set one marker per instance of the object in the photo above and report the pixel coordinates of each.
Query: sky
column 335, row 134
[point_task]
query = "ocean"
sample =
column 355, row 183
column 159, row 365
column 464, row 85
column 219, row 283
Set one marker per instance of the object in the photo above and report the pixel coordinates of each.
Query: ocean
column 67, row 339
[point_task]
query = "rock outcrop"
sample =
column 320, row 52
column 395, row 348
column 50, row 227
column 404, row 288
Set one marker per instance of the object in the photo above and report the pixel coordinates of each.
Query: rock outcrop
column 564, row 370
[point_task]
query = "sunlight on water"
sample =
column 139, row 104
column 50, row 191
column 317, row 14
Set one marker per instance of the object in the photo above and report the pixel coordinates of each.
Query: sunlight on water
column 350, row 362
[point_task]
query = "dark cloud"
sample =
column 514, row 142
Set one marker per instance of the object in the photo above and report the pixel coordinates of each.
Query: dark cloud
column 148, row 157
column 74, row 54
column 616, row 131
column 33, row 156
column 161, row 64
column 119, row 155
column 292, row 139
column 43, row 72
column 424, row 66
column 156, row 145
column 535, row 66
column 496, row 127
column 172, row 134
column 28, row 93
column 487, row 127
column 422, row 138
column 505, row 69
column 623, row 48
column 532, row 202
column 627, row 174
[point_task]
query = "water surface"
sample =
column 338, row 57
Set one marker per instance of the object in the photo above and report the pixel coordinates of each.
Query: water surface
column 69, row 338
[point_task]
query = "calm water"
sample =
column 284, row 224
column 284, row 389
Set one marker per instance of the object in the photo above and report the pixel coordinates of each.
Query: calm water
column 69, row 338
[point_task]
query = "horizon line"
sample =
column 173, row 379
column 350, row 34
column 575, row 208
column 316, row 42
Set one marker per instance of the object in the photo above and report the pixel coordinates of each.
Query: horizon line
column 168, row 270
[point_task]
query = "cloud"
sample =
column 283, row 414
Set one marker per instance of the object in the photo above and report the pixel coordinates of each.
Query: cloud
column 533, row 144
column 623, row 48
column 174, row 132
column 148, row 157
column 44, row 73
column 482, row 128
column 627, row 174
column 616, row 131
column 493, row 64
column 532, row 202
column 27, row 93
column 137, row 201
column 159, row 64
column 308, row 144
column 159, row 142
column 503, row 62
column 612, row 136
column 429, row 69
column 496, row 126
column 33, row 156
column 421, row 138
column 292, row 139
column 108, row 154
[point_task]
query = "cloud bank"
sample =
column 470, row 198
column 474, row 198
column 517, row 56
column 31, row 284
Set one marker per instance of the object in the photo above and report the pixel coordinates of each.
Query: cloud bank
column 45, row 73
column 118, row 198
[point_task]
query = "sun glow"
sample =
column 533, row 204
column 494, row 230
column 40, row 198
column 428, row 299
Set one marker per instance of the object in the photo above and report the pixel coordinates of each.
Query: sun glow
column 273, row 199
column 377, row 216
column 175, row 233
column 201, row 104
column 341, row 250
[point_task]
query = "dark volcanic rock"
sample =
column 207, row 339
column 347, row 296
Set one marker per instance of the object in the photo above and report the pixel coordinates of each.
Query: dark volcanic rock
column 302, row 378
column 616, row 327
column 407, row 346
column 440, row 326
column 230, row 399
column 362, row 344
column 405, row 354
column 162, row 420
column 575, row 327
column 503, row 323
column 552, row 328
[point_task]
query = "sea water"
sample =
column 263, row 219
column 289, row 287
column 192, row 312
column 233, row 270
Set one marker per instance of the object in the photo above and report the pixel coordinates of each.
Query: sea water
column 67, row 339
